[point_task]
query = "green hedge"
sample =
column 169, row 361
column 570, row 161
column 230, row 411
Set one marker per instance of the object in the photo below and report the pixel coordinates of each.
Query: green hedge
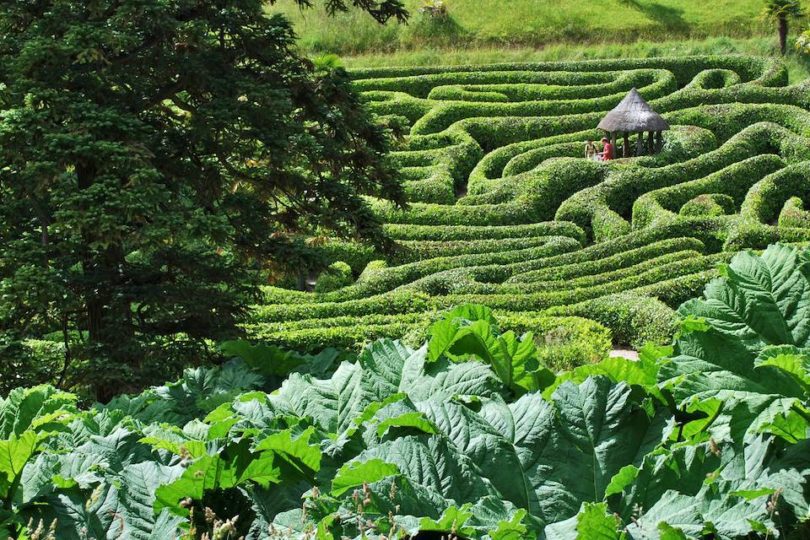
column 708, row 231
column 659, row 263
column 733, row 181
column 387, row 279
column 601, row 258
column 793, row 215
column 767, row 71
column 633, row 319
column 562, row 341
column 495, row 153
column 532, row 301
column 767, row 197
column 445, row 114
column 411, row 251
column 599, row 208
column 468, row 232
column 711, row 204
column 336, row 276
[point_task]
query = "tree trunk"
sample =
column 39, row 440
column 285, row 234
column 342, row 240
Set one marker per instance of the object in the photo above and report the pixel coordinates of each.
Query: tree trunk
column 783, row 33
column 109, row 326
column 85, row 175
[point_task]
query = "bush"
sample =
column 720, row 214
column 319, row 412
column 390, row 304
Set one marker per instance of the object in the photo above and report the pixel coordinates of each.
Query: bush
column 793, row 214
column 372, row 269
column 633, row 319
column 338, row 275
column 711, row 205
column 29, row 363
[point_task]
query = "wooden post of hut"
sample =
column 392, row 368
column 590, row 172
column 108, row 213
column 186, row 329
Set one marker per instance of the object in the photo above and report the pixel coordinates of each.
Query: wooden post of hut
column 634, row 115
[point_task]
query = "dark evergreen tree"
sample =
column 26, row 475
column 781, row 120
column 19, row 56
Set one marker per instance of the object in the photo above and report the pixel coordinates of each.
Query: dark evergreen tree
column 155, row 157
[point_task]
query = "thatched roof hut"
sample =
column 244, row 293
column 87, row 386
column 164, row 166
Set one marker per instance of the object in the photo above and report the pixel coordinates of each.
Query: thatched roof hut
column 633, row 115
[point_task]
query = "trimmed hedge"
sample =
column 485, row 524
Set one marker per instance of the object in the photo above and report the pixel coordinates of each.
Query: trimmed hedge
column 766, row 198
column 467, row 232
column 505, row 211
column 602, row 260
column 767, row 71
column 336, row 276
column 633, row 319
column 603, row 209
column 711, row 204
column 562, row 341
column 793, row 215
column 733, row 181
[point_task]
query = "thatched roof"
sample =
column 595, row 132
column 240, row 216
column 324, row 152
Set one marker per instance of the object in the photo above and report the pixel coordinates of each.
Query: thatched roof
column 633, row 115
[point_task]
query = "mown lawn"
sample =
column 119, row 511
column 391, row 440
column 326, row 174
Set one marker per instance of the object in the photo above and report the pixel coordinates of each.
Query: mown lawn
column 528, row 23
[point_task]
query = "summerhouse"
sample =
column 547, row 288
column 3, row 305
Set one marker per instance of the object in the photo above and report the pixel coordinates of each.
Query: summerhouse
column 634, row 115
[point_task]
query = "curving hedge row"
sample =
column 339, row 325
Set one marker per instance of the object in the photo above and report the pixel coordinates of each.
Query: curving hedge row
column 565, row 341
column 793, row 215
column 505, row 211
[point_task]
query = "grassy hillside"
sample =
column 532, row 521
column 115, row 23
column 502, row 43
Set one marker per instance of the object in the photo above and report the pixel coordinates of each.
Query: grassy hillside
column 528, row 23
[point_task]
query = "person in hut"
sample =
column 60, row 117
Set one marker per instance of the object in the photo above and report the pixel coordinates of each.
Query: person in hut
column 590, row 151
column 607, row 149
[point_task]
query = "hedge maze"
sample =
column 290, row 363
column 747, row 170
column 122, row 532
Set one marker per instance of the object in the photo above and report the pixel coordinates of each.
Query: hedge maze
column 505, row 211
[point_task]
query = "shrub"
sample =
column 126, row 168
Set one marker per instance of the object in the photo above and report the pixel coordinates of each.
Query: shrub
column 371, row 269
column 339, row 274
column 793, row 214
column 712, row 205
column 633, row 319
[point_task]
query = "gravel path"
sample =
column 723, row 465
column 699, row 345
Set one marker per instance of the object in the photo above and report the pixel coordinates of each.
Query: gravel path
column 624, row 353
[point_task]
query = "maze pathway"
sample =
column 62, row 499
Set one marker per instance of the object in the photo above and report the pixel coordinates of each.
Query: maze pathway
column 504, row 211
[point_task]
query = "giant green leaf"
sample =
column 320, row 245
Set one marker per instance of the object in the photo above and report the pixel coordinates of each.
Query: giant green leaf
column 234, row 466
column 14, row 454
column 27, row 408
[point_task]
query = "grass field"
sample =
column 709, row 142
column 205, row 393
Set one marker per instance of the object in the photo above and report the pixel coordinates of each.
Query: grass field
column 528, row 23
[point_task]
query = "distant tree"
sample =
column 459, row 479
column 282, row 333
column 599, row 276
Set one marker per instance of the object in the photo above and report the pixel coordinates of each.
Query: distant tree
column 782, row 11
column 156, row 156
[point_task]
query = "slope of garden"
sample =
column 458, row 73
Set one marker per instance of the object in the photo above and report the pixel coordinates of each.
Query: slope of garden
column 524, row 22
column 505, row 212
column 468, row 436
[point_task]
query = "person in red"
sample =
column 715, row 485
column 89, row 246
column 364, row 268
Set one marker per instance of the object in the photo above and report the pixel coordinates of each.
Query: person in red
column 607, row 150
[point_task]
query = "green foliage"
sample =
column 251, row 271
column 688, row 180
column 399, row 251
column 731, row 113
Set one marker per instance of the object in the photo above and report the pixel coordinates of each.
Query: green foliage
column 470, row 330
column 707, row 435
column 793, row 214
column 142, row 204
column 531, row 25
column 714, row 204
column 784, row 8
column 337, row 275
column 782, row 11
column 521, row 223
